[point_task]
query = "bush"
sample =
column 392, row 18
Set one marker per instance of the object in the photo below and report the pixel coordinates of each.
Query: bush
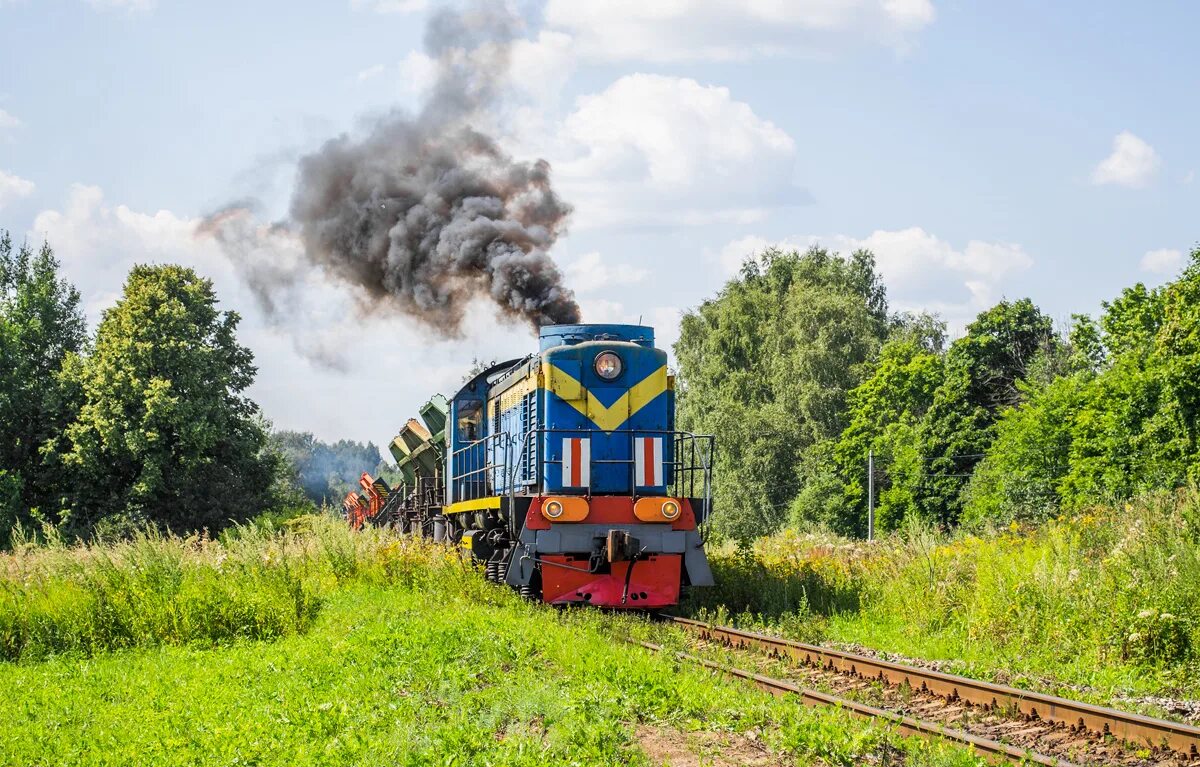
column 786, row 581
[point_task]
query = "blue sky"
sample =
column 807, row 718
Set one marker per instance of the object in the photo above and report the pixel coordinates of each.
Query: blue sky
column 982, row 150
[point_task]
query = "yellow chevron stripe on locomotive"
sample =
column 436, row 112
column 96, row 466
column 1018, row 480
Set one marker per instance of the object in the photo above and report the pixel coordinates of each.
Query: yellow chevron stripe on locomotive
column 607, row 418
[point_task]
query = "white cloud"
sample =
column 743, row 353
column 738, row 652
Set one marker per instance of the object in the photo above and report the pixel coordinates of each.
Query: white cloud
column 664, row 319
column 1133, row 163
column 541, row 67
column 14, row 188
column 8, row 121
column 603, row 310
column 589, row 274
column 648, row 149
column 98, row 242
column 122, row 5
column 922, row 272
column 389, row 6
column 668, row 149
column 1162, row 261
column 682, row 30
column 734, row 254
column 370, row 73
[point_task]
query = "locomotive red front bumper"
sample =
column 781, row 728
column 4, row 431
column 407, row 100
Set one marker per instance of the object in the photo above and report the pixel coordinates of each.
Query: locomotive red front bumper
column 653, row 583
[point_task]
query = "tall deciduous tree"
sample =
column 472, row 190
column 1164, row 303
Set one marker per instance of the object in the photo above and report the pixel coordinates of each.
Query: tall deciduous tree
column 42, row 330
column 766, row 366
column 984, row 371
column 884, row 414
column 165, row 434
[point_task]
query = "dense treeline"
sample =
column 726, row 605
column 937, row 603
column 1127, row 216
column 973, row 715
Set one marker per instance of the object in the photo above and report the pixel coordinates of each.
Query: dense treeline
column 144, row 424
column 801, row 370
column 798, row 365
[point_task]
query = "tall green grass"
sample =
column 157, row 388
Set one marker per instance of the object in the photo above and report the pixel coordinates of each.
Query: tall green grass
column 252, row 583
column 453, row 671
column 1111, row 596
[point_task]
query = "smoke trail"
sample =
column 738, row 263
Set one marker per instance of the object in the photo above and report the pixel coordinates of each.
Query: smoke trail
column 423, row 213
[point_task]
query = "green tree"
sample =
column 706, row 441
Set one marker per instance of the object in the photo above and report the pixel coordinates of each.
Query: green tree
column 766, row 366
column 1124, row 420
column 42, row 330
column 1131, row 321
column 997, row 350
column 1086, row 344
column 984, row 372
column 166, row 435
column 884, row 413
column 1177, row 355
column 1021, row 477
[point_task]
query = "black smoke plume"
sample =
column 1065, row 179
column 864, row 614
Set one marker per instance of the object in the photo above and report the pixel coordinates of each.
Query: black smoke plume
column 424, row 212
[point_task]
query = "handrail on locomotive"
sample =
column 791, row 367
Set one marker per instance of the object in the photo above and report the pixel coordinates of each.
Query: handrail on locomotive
column 476, row 480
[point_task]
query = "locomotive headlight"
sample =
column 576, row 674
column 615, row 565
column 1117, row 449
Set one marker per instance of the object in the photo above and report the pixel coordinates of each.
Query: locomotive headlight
column 670, row 509
column 608, row 365
column 554, row 509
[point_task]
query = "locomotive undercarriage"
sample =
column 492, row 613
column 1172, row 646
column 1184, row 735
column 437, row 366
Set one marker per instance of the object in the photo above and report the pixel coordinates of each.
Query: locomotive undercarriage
column 507, row 550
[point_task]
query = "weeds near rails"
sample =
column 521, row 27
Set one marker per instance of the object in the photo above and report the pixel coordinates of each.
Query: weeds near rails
column 1106, row 597
column 152, row 589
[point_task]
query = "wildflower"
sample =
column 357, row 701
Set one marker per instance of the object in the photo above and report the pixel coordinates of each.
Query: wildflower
column 1135, row 637
column 1146, row 614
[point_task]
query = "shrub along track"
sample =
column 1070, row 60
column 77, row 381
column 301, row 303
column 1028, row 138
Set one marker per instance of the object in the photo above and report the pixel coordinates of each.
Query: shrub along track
column 1009, row 720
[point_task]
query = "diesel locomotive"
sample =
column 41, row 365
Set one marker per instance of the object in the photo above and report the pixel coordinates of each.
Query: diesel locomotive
column 562, row 474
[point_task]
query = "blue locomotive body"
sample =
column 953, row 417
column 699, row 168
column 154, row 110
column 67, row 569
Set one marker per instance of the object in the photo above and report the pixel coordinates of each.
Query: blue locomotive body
column 566, row 475
column 516, row 432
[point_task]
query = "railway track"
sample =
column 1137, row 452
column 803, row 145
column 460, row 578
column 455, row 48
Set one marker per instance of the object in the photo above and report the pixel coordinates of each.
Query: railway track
column 1002, row 722
column 907, row 725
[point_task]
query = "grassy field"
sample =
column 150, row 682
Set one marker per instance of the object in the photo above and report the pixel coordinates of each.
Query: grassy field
column 253, row 583
column 360, row 649
column 1104, row 605
column 316, row 645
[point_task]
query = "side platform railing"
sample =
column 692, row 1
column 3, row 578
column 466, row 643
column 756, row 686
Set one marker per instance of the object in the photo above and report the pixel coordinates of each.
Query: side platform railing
column 493, row 465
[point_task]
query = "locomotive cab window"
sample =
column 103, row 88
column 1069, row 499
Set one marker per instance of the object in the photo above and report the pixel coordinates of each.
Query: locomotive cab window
column 470, row 421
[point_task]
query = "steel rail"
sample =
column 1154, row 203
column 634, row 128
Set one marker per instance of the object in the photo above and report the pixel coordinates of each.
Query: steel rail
column 1132, row 728
column 906, row 725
